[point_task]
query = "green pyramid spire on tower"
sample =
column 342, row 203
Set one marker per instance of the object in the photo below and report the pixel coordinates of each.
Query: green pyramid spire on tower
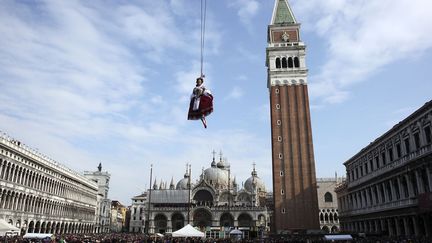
column 282, row 13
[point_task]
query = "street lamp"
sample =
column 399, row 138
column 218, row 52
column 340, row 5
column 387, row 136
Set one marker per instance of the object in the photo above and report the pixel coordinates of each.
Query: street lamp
column 147, row 224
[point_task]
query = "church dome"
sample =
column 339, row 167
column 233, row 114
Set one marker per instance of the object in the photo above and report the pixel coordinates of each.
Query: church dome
column 183, row 183
column 254, row 182
column 222, row 164
column 216, row 176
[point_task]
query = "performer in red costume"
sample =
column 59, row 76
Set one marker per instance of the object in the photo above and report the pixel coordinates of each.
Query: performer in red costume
column 201, row 103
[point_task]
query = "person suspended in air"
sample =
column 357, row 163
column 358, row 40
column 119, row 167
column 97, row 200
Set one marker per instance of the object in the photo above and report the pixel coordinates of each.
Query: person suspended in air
column 201, row 102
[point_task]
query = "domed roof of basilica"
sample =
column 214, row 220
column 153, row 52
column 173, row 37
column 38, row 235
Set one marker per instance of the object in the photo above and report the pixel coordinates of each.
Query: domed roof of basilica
column 183, row 183
column 217, row 174
column 222, row 164
column 254, row 182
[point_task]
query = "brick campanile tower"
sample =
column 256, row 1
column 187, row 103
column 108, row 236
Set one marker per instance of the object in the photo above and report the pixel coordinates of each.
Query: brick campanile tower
column 294, row 179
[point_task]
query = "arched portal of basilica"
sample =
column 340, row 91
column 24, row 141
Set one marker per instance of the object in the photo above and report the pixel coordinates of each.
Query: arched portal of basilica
column 202, row 218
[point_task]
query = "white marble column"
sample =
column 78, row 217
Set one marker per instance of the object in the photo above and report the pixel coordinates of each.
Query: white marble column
column 378, row 193
column 416, row 225
column 382, row 224
column 1, row 167
column 353, row 200
column 393, row 190
column 406, row 227
column 12, row 174
column 377, row 226
column 374, row 198
column 401, row 191
column 386, row 197
column 419, row 181
column 18, row 203
column 389, row 228
column 397, row 226
column 362, row 199
column 429, row 178
column 368, row 198
column 13, row 202
column 43, row 207
column 410, row 186
column 24, row 205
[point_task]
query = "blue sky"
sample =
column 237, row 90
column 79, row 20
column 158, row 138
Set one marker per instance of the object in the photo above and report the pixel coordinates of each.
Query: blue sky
column 109, row 81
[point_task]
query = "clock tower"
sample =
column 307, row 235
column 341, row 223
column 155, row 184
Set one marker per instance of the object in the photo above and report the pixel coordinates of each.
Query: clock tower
column 293, row 164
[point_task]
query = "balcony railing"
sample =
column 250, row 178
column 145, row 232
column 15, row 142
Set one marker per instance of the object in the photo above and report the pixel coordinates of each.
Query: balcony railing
column 403, row 203
column 286, row 44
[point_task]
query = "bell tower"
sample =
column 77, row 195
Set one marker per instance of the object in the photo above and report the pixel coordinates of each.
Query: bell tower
column 293, row 164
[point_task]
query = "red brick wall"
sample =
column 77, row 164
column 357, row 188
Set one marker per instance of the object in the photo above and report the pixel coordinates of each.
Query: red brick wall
column 299, row 180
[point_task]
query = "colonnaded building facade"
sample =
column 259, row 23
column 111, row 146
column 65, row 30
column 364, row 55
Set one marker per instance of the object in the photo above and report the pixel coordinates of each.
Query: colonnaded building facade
column 215, row 203
column 39, row 195
column 389, row 182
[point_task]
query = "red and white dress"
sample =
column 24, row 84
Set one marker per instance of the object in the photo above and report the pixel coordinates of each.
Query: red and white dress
column 201, row 103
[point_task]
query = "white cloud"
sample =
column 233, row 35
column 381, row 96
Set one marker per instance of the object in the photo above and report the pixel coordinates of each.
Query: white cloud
column 180, row 7
column 235, row 93
column 248, row 55
column 77, row 82
column 157, row 99
column 362, row 37
column 152, row 29
column 246, row 9
column 242, row 77
column 186, row 79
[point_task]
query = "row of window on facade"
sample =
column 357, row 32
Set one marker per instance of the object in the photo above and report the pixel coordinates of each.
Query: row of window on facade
column 399, row 187
column 21, row 202
column 394, row 152
column 135, row 213
column 328, row 217
column 27, row 162
column 26, row 177
column 399, row 225
column 52, row 227
column 287, row 62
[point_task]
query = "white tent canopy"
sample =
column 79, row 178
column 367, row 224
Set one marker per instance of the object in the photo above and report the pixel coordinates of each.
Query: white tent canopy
column 5, row 227
column 235, row 232
column 338, row 237
column 188, row 231
column 37, row 236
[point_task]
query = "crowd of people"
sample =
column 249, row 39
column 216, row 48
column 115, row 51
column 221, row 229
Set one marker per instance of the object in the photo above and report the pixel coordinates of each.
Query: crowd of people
column 141, row 238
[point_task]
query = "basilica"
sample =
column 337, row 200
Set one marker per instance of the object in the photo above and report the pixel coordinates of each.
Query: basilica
column 214, row 202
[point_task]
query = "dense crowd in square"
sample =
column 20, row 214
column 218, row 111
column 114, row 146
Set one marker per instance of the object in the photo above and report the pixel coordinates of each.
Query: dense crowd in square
column 141, row 238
